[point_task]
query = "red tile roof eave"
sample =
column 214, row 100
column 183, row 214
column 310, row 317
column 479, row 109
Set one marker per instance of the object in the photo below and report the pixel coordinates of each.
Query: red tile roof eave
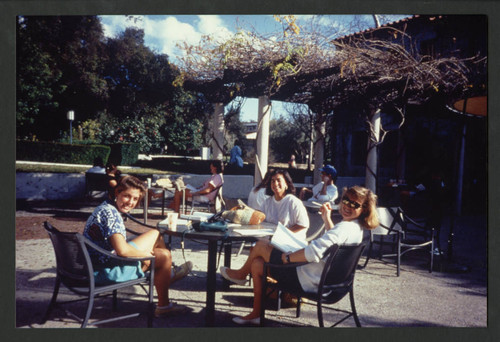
column 393, row 23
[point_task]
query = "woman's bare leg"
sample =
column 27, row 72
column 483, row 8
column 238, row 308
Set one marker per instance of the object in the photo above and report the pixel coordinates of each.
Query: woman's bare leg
column 176, row 202
column 262, row 249
column 153, row 241
column 163, row 271
column 257, row 270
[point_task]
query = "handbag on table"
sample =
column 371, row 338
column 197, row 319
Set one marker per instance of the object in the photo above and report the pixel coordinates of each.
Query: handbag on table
column 243, row 214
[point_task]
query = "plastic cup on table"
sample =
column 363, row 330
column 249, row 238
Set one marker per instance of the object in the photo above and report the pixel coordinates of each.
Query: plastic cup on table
column 172, row 221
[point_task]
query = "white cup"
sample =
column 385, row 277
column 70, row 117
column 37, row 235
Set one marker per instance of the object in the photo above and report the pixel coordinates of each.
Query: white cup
column 172, row 221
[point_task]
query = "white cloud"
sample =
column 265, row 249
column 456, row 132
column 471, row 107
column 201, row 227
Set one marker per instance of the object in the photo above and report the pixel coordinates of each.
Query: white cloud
column 166, row 33
column 114, row 24
column 163, row 34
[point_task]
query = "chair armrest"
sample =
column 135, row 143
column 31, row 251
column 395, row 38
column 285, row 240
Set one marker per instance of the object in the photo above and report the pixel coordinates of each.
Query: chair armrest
column 111, row 255
column 292, row 264
column 409, row 220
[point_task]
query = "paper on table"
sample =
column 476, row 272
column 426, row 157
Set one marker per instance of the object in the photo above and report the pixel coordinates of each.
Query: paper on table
column 180, row 222
column 285, row 240
column 197, row 216
column 254, row 232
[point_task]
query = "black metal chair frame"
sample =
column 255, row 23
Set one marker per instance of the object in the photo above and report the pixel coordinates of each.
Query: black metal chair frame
column 337, row 280
column 76, row 272
column 95, row 182
column 399, row 229
column 218, row 197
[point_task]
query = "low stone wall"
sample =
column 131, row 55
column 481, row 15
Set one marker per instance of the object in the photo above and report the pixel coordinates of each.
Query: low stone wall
column 235, row 186
column 61, row 186
column 49, row 186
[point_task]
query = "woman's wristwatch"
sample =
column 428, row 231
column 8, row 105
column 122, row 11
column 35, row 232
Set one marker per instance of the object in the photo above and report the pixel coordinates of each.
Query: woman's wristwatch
column 287, row 257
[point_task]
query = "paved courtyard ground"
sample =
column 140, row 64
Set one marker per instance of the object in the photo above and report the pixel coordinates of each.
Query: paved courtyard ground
column 415, row 299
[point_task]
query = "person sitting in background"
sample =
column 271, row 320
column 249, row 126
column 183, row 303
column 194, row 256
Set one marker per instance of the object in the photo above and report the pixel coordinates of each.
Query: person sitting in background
column 98, row 166
column 359, row 211
column 206, row 192
column 324, row 191
column 291, row 163
column 105, row 227
column 257, row 195
column 113, row 177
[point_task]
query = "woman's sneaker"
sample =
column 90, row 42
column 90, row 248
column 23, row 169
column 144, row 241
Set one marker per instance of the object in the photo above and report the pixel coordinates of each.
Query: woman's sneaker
column 181, row 271
column 170, row 309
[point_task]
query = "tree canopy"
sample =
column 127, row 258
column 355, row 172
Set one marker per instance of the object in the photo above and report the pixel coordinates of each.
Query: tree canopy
column 119, row 89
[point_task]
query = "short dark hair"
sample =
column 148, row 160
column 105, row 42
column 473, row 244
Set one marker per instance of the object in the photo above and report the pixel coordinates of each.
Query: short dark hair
column 290, row 187
column 131, row 182
column 218, row 165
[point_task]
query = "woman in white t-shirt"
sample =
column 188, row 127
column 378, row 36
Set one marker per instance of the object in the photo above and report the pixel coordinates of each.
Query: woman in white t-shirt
column 358, row 209
column 283, row 206
column 257, row 195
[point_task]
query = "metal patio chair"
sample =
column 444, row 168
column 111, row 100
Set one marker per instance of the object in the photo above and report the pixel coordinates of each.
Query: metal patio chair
column 403, row 233
column 76, row 272
column 337, row 280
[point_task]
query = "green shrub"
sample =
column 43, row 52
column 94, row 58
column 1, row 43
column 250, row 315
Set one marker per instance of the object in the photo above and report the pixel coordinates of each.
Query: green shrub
column 60, row 153
column 124, row 153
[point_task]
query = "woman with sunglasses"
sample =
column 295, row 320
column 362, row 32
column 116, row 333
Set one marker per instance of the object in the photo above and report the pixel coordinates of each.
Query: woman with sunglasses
column 358, row 210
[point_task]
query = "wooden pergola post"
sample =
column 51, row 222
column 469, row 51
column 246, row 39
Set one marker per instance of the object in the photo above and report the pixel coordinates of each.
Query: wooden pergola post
column 218, row 132
column 262, row 153
column 372, row 156
column 319, row 149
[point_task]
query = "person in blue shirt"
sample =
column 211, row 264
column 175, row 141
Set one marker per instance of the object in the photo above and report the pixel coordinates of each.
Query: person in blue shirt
column 235, row 156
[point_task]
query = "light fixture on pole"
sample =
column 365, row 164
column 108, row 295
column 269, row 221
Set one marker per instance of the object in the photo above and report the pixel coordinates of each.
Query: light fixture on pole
column 71, row 117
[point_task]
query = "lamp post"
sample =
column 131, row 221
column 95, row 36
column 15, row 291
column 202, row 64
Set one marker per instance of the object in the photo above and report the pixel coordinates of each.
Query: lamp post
column 71, row 117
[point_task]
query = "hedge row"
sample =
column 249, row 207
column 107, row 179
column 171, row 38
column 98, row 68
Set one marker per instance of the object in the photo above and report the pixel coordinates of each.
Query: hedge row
column 195, row 166
column 119, row 154
column 124, row 154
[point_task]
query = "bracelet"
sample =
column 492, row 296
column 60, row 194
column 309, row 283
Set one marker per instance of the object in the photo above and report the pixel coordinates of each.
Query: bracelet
column 288, row 258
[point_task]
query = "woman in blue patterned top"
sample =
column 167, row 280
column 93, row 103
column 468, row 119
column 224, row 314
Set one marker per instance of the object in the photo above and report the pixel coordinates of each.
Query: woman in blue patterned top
column 105, row 228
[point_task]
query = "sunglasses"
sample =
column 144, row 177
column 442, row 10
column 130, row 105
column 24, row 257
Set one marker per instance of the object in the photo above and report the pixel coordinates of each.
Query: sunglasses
column 349, row 203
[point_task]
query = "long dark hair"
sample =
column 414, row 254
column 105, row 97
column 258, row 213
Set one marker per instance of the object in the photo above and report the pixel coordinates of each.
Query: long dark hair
column 263, row 183
column 290, row 187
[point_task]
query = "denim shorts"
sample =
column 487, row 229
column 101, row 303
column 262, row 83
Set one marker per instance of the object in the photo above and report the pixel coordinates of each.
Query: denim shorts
column 117, row 271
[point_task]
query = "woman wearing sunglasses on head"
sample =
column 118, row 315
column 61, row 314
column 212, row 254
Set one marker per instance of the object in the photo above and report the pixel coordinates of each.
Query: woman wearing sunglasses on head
column 358, row 210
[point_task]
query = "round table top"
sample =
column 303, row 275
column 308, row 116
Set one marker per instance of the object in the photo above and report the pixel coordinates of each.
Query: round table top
column 235, row 231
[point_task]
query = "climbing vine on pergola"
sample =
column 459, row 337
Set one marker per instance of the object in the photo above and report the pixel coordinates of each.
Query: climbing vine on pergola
column 306, row 67
column 309, row 67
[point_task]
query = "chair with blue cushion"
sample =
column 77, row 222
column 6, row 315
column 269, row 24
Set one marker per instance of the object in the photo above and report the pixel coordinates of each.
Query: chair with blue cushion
column 75, row 271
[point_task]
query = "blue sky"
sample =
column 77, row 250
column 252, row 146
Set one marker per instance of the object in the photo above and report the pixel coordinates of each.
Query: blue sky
column 163, row 32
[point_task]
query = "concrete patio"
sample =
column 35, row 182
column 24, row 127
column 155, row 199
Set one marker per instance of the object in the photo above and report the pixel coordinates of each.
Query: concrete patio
column 415, row 299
